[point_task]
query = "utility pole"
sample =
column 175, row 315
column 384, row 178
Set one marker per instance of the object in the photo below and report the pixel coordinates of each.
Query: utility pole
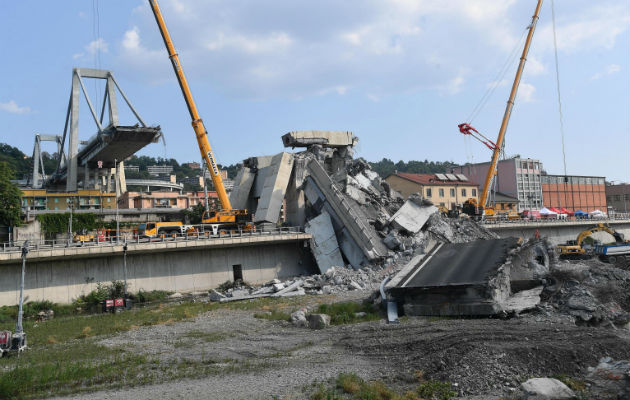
column 19, row 330
column 125, row 267
column 117, row 191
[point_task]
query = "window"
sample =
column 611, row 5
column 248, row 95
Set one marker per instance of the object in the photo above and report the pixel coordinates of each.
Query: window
column 452, row 192
column 109, row 200
column 474, row 192
column 428, row 192
column 441, row 192
column 56, row 200
column 442, row 204
column 464, row 192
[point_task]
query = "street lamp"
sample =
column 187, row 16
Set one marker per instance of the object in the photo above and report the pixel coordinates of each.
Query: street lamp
column 19, row 339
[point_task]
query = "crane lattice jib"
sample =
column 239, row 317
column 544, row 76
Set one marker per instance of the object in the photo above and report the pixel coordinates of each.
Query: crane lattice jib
column 197, row 123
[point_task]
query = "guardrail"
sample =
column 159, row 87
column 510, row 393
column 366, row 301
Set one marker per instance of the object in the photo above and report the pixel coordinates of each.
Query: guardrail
column 12, row 247
column 542, row 221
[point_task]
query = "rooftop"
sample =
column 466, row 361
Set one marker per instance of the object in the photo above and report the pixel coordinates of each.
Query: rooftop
column 436, row 179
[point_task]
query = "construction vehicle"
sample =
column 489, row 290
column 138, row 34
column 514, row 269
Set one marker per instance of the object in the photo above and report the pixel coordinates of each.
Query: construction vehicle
column 84, row 237
column 452, row 213
column 577, row 249
column 161, row 229
column 226, row 218
column 482, row 208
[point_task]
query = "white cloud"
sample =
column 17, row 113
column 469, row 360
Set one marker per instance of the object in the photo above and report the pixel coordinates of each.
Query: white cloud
column 534, row 67
column 131, row 39
column 12, row 108
column 454, row 85
column 593, row 27
column 271, row 43
column 609, row 70
column 376, row 47
column 97, row 45
column 526, row 93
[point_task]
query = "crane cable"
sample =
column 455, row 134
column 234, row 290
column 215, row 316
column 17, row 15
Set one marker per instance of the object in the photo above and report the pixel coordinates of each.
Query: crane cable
column 497, row 81
column 555, row 49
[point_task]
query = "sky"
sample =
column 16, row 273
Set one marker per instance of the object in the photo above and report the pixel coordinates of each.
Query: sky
column 400, row 74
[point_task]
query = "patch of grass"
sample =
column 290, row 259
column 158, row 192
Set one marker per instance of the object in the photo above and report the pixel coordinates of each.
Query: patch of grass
column 346, row 312
column 66, row 369
column 273, row 315
column 324, row 393
column 351, row 386
column 357, row 388
column 150, row 296
column 433, row 389
column 32, row 308
column 576, row 385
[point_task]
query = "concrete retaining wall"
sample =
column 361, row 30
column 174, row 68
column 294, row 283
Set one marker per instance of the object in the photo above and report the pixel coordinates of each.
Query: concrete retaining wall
column 183, row 269
column 559, row 232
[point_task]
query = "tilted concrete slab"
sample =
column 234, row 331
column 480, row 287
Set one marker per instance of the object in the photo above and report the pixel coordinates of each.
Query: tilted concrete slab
column 242, row 188
column 357, row 240
column 412, row 217
column 324, row 242
column 274, row 188
column 458, row 279
column 324, row 138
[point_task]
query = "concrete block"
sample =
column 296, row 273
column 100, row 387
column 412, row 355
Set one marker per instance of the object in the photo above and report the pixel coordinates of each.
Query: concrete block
column 412, row 217
column 274, row 189
column 324, row 243
column 215, row 296
column 318, row 321
column 546, row 388
column 324, row 138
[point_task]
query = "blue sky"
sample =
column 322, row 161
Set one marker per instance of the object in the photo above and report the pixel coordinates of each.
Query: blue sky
column 400, row 74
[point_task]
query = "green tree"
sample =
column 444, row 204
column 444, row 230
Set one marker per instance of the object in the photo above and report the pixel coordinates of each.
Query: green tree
column 10, row 210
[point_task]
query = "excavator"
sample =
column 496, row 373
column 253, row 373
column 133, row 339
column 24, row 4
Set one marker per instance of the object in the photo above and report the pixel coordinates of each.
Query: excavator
column 575, row 249
column 481, row 208
column 227, row 218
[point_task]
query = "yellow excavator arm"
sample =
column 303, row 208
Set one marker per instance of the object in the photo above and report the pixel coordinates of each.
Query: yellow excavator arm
column 598, row 228
column 197, row 123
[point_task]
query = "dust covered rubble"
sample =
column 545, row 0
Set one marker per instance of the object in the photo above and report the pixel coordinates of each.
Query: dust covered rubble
column 590, row 292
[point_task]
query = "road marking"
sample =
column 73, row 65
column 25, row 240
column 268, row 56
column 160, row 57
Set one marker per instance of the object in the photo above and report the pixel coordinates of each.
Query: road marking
column 438, row 247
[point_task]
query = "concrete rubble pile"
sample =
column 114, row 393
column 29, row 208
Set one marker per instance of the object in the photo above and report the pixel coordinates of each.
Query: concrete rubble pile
column 610, row 379
column 354, row 217
column 590, row 292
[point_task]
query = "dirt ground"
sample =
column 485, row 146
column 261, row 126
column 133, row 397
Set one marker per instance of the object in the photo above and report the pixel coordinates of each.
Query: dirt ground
column 482, row 358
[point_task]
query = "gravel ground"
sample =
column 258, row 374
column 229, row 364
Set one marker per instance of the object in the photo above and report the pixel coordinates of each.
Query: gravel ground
column 484, row 358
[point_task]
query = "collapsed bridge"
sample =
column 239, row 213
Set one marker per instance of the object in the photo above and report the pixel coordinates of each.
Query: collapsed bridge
column 93, row 161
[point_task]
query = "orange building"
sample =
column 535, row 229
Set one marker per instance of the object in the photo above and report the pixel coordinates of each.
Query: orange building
column 586, row 193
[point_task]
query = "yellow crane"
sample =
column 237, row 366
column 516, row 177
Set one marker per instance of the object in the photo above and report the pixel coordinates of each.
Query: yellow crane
column 226, row 217
column 482, row 208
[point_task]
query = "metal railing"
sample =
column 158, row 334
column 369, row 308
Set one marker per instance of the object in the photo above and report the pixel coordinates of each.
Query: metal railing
column 542, row 221
column 16, row 246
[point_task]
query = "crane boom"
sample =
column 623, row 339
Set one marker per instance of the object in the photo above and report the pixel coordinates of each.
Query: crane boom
column 197, row 123
column 508, row 111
